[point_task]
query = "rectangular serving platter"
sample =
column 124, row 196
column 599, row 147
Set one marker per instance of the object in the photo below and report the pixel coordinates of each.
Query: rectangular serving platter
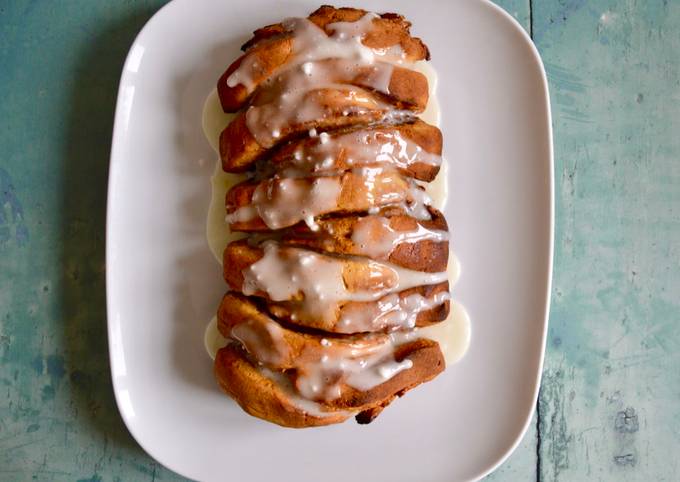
column 163, row 284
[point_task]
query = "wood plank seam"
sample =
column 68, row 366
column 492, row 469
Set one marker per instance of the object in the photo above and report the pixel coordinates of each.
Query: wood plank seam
column 538, row 405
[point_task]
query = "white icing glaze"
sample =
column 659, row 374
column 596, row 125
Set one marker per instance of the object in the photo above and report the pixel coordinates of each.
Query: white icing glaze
column 290, row 273
column 437, row 189
column 334, row 152
column 213, row 339
column 295, row 95
column 302, row 103
column 383, row 188
column 262, row 339
column 453, row 334
column 321, row 380
column 373, row 179
column 283, row 202
column 243, row 74
column 303, row 404
column 362, row 363
column 418, row 200
column 392, row 312
column 310, row 43
column 217, row 230
column 374, row 236
column 214, row 120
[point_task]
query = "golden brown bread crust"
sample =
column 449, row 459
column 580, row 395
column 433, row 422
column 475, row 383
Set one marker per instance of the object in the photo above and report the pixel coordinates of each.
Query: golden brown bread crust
column 356, row 196
column 335, row 236
column 260, row 396
column 239, row 149
column 267, row 399
column 271, row 46
column 237, row 256
column 269, row 55
column 427, row 136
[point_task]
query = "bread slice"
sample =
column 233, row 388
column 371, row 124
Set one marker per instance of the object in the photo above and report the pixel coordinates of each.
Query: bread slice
column 383, row 237
column 282, row 348
column 364, row 146
column 338, row 108
column 283, row 202
column 370, row 316
column 272, row 47
column 271, row 395
column 388, row 311
column 268, row 398
column 358, row 274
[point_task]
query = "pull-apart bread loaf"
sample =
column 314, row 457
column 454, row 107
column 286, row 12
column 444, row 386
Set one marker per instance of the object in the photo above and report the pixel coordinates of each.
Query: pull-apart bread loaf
column 346, row 258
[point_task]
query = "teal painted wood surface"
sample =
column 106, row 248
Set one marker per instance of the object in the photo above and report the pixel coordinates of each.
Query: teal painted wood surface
column 610, row 400
column 609, row 407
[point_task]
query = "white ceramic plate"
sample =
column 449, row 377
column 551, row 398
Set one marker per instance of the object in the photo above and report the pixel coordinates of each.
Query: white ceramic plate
column 164, row 285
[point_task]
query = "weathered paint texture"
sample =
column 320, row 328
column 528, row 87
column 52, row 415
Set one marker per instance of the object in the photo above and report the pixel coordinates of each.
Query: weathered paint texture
column 609, row 407
column 60, row 63
column 610, row 402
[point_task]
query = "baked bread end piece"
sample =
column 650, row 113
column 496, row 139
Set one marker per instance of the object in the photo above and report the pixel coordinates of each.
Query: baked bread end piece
column 260, row 396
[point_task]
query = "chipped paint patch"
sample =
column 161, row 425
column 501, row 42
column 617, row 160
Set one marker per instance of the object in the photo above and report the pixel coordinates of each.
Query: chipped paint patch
column 554, row 431
column 12, row 224
column 626, row 421
column 625, row 459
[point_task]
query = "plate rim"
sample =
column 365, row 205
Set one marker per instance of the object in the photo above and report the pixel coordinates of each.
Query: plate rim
column 112, row 322
column 551, row 235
